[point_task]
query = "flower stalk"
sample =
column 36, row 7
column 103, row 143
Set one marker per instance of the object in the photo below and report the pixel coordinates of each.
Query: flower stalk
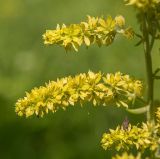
column 147, row 45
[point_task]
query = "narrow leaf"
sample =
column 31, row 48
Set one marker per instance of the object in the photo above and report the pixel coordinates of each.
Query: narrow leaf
column 139, row 110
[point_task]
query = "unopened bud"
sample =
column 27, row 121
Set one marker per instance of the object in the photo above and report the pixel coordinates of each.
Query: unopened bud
column 120, row 21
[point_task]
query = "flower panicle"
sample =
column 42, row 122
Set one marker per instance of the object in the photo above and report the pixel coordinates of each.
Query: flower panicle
column 125, row 139
column 95, row 30
column 100, row 89
column 125, row 155
column 158, row 115
column 143, row 4
column 148, row 10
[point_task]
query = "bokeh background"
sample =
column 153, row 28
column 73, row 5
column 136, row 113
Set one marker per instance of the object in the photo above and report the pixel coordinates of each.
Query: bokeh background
column 25, row 63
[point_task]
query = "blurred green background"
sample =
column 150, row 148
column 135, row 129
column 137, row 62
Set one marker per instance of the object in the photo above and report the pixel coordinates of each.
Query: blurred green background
column 25, row 62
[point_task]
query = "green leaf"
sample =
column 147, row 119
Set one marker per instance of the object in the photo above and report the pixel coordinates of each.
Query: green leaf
column 139, row 110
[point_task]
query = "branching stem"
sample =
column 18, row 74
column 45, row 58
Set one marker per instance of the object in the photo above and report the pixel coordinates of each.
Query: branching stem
column 156, row 77
column 156, row 71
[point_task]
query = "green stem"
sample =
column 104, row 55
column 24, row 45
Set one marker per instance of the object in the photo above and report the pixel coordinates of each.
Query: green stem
column 149, row 72
column 156, row 71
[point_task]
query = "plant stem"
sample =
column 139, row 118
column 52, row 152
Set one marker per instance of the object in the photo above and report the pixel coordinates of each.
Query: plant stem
column 149, row 72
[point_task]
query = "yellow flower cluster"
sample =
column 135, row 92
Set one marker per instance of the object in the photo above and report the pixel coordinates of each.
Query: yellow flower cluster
column 158, row 122
column 134, row 136
column 124, row 85
column 158, row 115
column 95, row 30
column 148, row 10
column 143, row 4
column 127, row 156
column 117, row 89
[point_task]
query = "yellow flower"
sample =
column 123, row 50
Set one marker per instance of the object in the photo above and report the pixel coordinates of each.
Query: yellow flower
column 111, row 89
column 120, row 21
column 125, row 155
column 95, row 30
column 134, row 136
column 158, row 122
column 158, row 115
column 143, row 4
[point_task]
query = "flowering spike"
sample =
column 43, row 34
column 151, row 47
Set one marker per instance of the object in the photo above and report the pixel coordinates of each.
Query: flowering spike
column 158, row 115
column 138, row 137
column 117, row 89
column 101, row 31
column 125, row 155
column 143, row 4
